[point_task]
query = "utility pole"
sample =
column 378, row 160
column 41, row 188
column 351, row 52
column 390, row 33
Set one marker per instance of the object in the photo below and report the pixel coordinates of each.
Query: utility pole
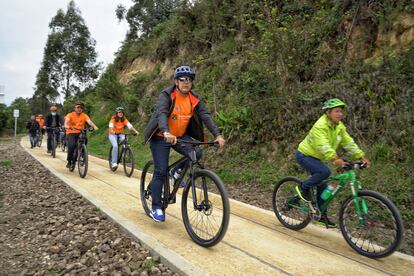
column 15, row 115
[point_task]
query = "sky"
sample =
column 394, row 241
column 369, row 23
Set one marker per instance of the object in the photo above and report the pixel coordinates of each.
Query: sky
column 24, row 28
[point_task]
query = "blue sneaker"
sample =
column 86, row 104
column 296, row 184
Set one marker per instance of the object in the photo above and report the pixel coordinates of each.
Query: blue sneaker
column 157, row 215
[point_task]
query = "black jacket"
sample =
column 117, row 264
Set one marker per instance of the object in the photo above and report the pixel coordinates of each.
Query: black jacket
column 49, row 120
column 32, row 126
column 195, row 128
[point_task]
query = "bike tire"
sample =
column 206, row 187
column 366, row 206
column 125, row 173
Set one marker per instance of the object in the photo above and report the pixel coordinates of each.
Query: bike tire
column 63, row 147
column 39, row 140
column 145, row 187
column 83, row 161
column 394, row 224
column 110, row 161
column 128, row 160
column 215, row 225
column 287, row 205
column 53, row 145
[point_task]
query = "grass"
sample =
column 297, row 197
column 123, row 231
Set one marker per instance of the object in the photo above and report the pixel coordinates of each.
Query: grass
column 5, row 163
column 149, row 262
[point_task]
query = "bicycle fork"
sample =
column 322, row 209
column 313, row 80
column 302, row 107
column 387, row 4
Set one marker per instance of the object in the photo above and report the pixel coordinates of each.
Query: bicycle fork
column 359, row 202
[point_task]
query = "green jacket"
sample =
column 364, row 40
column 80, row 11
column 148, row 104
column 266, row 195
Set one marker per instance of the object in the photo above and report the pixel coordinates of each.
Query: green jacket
column 325, row 137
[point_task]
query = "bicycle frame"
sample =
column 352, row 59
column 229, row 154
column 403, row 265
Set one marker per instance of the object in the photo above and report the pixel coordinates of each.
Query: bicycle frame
column 190, row 164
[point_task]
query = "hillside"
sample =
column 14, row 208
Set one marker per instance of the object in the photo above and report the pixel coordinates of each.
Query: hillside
column 264, row 68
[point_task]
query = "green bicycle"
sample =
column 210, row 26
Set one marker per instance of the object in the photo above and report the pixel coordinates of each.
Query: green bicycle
column 370, row 223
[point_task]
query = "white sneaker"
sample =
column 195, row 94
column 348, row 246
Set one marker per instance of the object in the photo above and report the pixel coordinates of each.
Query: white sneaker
column 114, row 165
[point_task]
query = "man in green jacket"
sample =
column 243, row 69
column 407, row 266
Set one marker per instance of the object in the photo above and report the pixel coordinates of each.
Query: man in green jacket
column 320, row 145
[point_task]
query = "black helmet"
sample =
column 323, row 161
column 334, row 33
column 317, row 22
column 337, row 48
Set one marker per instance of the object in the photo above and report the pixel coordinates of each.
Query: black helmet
column 184, row 70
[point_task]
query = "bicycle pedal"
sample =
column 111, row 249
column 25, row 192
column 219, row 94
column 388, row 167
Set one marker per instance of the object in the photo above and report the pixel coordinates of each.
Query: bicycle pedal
column 172, row 200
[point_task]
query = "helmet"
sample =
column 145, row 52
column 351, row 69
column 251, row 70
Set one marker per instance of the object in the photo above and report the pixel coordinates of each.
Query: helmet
column 184, row 70
column 119, row 108
column 329, row 104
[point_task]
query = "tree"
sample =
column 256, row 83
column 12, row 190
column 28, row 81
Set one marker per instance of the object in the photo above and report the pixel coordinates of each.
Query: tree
column 69, row 60
column 146, row 14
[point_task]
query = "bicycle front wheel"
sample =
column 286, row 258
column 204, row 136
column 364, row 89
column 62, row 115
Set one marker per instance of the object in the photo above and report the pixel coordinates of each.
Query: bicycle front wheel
column 206, row 212
column 63, row 146
column 289, row 209
column 128, row 161
column 39, row 140
column 53, row 145
column 83, row 161
column 379, row 233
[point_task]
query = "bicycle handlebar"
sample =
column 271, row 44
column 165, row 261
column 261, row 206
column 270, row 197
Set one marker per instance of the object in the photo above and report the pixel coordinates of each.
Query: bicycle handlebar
column 354, row 165
column 196, row 143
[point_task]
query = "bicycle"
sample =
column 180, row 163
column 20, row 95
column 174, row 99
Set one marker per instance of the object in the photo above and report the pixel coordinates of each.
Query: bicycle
column 39, row 138
column 62, row 139
column 81, row 153
column 203, row 194
column 125, row 154
column 369, row 222
column 54, row 140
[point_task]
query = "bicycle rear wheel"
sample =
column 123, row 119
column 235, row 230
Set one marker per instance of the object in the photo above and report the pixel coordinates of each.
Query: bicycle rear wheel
column 110, row 160
column 83, row 161
column 207, row 221
column 382, row 231
column 128, row 161
column 145, row 186
column 289, row 209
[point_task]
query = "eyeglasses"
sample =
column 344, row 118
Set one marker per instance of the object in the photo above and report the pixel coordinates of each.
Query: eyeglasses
column 185, row 79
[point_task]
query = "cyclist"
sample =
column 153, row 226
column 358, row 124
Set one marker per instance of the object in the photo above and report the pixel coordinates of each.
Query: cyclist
column 76, row 119
column 33, row 127
column 53, row 120
column 41, row 122
column 179, row 114
column 116, row 130
column 321, row 143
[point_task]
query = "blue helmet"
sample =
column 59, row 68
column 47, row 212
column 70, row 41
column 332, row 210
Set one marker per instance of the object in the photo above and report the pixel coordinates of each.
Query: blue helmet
column 184, row 70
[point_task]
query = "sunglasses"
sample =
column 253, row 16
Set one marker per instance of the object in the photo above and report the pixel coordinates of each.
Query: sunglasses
column 185, row 79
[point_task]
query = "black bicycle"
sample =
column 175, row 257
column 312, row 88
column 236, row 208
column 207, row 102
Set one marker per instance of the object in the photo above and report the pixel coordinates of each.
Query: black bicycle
column 205, row 204
column 81, row 153
column 125, row 155
column 39, row 137
column 55, row 139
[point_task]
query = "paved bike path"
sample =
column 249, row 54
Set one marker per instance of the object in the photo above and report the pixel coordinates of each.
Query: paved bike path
column 255, row 242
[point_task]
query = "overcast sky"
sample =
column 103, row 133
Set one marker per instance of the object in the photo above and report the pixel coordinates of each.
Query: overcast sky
column 24, row 27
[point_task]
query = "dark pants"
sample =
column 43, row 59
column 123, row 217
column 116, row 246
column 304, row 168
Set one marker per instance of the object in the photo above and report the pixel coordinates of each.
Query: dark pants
column 160, row 153
column 71, row 139
column 318, row 170
column 33, row 138
column 49, row 138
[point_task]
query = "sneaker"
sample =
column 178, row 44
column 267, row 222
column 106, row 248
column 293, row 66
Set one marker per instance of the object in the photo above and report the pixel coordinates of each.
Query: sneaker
column 114, row 165
column 304, row 194
column 49, row 151
column 157, row 215
column 68, row 164
column 324, row 221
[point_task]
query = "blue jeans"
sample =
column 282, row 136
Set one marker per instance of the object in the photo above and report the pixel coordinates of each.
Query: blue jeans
column 33, row 138
column 113, row 138
column 160, row 153
column 318, row 170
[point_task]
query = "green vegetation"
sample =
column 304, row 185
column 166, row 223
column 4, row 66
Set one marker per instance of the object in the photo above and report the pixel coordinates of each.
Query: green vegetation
column 5, row 163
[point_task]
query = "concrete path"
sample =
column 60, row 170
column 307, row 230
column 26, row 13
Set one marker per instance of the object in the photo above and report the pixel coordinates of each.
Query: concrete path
column 255, row 243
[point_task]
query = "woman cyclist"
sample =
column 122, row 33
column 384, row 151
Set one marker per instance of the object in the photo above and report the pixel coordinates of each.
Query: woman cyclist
column 116, row 131
column 321, row 143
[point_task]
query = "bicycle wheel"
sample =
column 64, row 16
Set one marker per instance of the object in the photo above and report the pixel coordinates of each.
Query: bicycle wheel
column 110, row 160
column 53, row 145
column 289, row 209
column 206, row 222
column 128, row 161
column 39, row 140
column 63, row 147
column 382, row 231
column 83, row 161
column 145, row 186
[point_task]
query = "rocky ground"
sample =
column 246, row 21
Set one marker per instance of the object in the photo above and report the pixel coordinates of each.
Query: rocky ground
column 46, row 228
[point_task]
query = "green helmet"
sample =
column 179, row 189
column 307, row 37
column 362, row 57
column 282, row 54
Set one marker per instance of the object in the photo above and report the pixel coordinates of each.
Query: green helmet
column 119, row 108
column 329, row 104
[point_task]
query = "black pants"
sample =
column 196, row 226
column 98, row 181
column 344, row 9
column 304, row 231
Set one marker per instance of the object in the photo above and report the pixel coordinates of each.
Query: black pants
column 71, row 139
